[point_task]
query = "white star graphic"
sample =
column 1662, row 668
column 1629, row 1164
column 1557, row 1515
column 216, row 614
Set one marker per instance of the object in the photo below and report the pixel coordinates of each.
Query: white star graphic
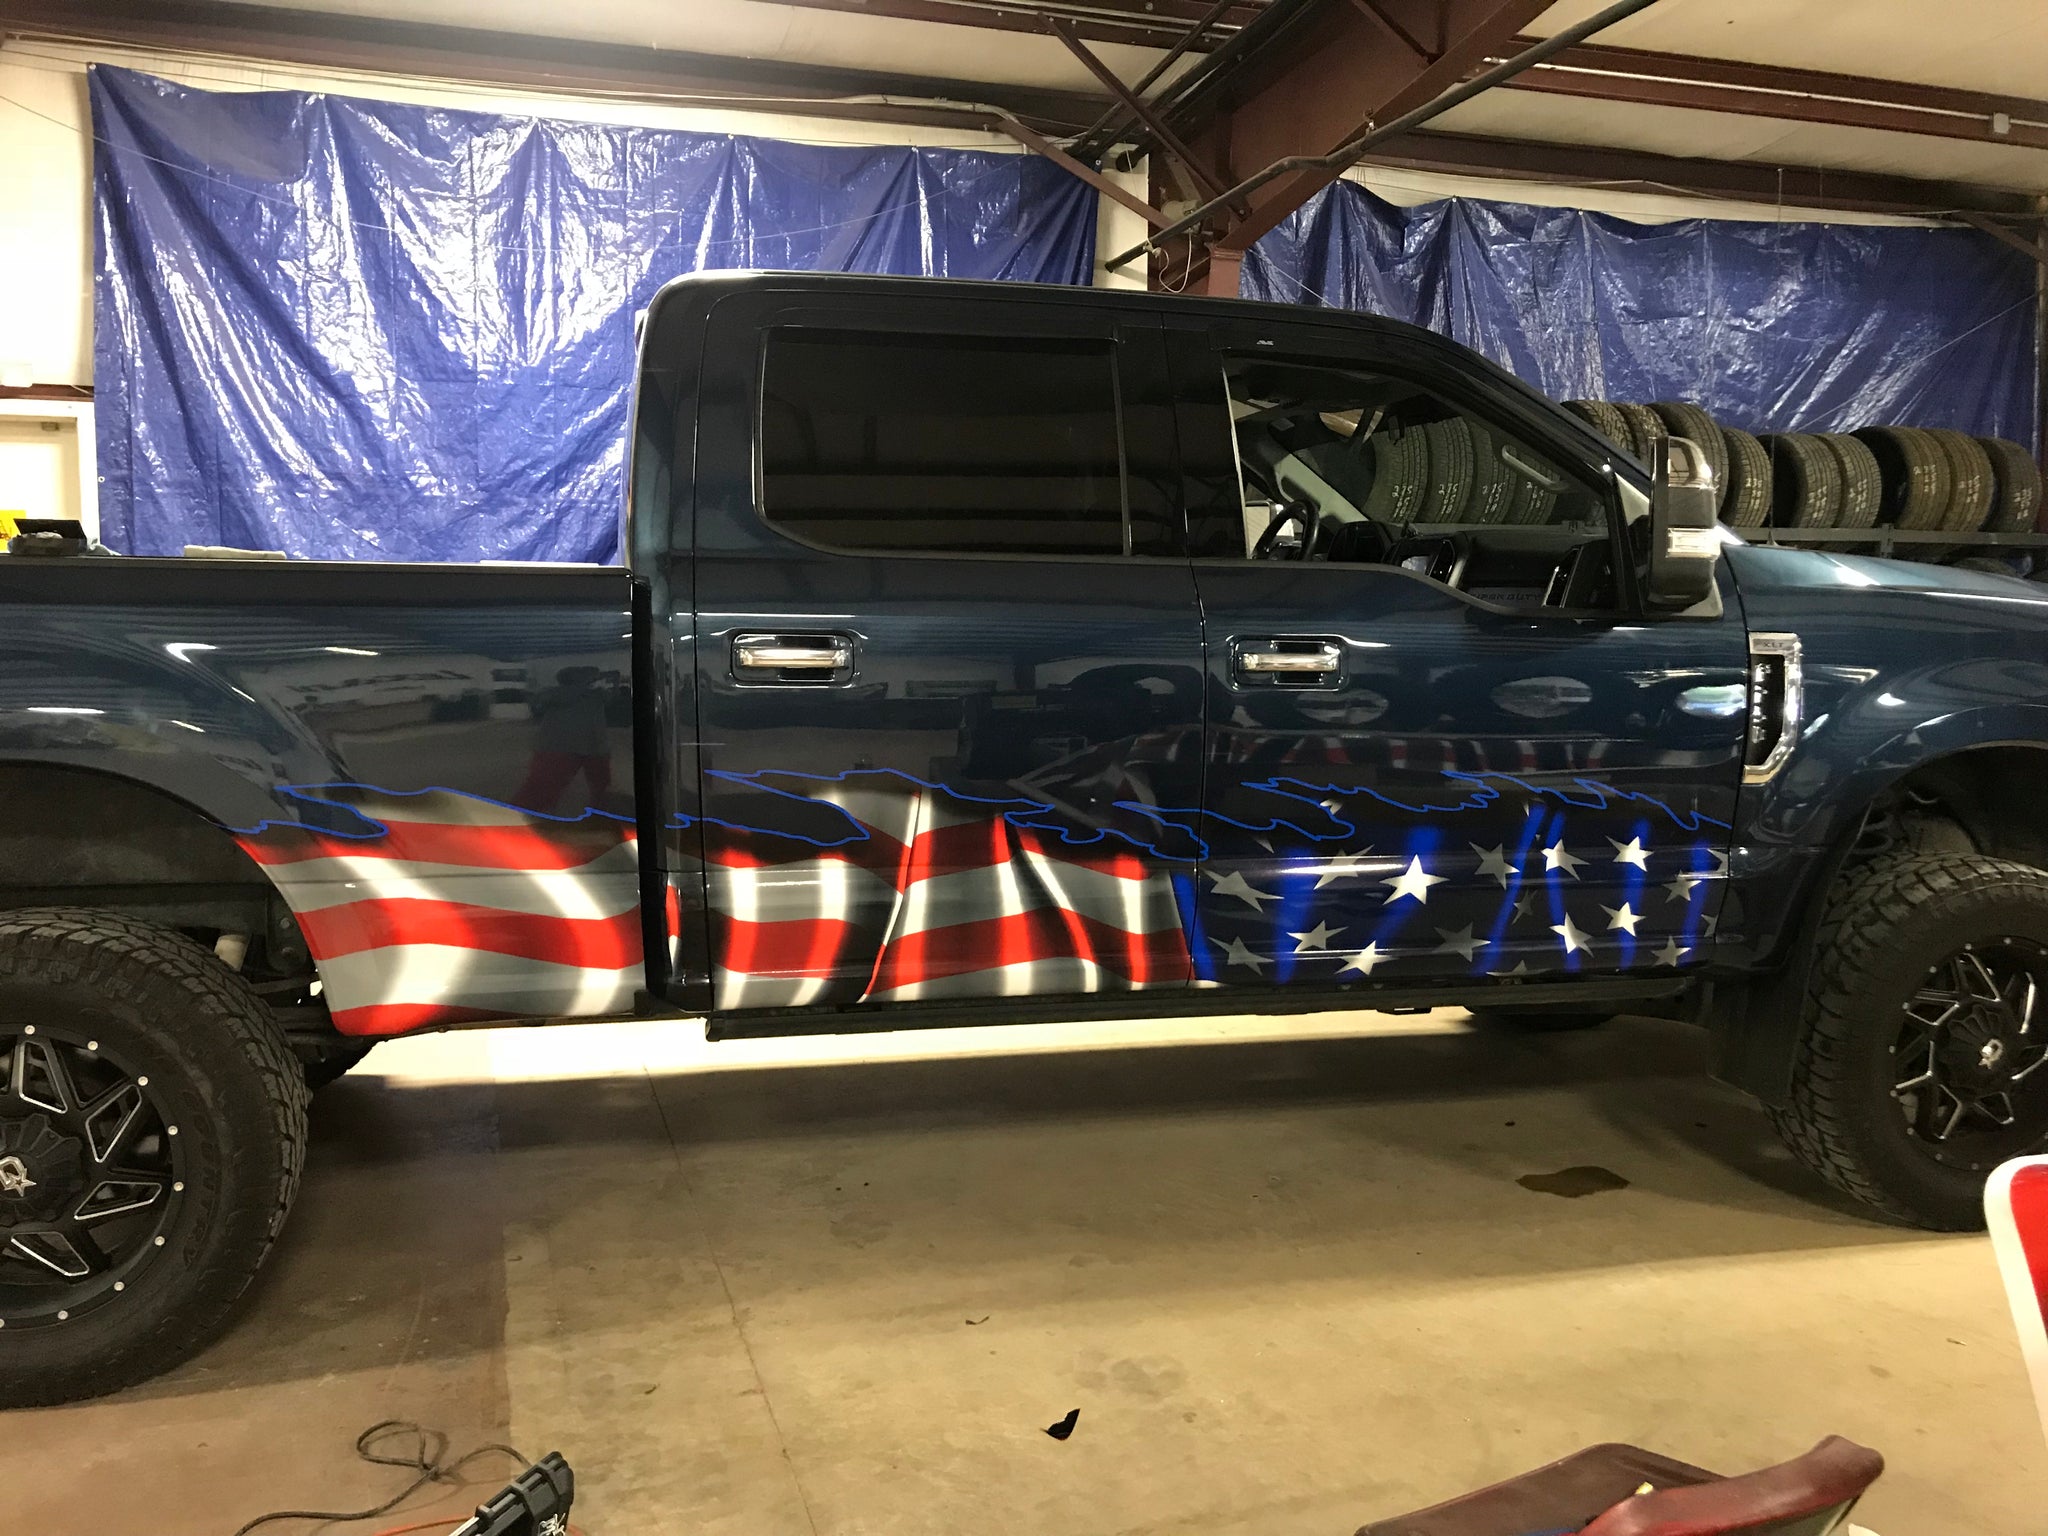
column 1554, row 857
column 1622, row 917
column 1631, row 852
column 1234, row 953
column 1681, row 888
column 1521, row 906
column 1574, row 940
column 1413, row 881
column 1493, row 861
column 1233, row 885
column 1521, row 969
column 1708, row 923
column 1363, row 961
column 1337, row 869
column 1317, row 937
column 1720, row 861
column 1671, row 953
column 1461, row 943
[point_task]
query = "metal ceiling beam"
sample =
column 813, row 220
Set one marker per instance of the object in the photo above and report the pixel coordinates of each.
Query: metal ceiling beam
column 2006, row 236
column 1205, row 179
column 1113, row 122
column 329, row 41
column 1158, row 24
column 1335, row 76
column 1794, row 95
column 1299, row 104
column 1588, row 165
column 1036, row 141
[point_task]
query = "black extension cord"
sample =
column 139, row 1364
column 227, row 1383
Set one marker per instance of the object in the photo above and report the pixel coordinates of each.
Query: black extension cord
column 430, row 1447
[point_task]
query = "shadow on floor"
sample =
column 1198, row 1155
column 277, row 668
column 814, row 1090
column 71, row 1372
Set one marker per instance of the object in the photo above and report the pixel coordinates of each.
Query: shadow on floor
column 1390, row 1157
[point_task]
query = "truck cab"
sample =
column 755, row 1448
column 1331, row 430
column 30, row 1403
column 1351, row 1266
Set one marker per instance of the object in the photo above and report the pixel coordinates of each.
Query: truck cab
column 1022, row 655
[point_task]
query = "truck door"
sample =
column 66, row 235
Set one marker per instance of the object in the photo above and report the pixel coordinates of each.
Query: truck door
column 948, row 652
column 1446, row 740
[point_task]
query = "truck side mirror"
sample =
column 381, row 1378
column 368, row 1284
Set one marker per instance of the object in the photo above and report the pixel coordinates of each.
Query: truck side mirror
column 1684, row 540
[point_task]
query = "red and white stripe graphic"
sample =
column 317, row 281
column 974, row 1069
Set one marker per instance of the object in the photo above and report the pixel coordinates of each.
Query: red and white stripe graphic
column 943, row 898
column 461, row 909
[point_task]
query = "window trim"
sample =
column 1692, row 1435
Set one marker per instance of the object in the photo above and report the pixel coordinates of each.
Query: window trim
column 1429, row 374
column 1111, row 343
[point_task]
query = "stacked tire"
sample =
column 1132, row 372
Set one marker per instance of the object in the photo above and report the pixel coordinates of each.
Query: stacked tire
column 1451, row 471
column 1911, row 478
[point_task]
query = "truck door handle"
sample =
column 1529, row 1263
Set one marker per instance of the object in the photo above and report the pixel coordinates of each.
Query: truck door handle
column 1322, row 659
column 791, row 658
column 1282, row 661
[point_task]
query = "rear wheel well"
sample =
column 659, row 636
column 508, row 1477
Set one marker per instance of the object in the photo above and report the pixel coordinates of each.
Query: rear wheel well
column 74, row 837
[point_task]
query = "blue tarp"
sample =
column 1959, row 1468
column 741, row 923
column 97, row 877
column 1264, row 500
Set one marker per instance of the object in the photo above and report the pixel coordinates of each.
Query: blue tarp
column 353, row 329
column 1770, row 326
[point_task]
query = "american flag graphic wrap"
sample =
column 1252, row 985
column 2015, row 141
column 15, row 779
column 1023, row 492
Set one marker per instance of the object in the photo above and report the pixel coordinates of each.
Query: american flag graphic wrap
column 437, row 907
column 872, row 887
column 878, row 888
column 1498, row 876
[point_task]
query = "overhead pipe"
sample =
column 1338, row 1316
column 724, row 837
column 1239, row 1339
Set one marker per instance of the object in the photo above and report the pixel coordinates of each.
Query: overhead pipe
column 1346, row 153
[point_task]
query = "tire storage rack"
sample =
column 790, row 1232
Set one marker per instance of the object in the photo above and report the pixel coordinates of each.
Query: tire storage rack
column 1920, row 493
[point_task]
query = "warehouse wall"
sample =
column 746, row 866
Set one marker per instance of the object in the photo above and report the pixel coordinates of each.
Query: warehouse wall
column 46, row 193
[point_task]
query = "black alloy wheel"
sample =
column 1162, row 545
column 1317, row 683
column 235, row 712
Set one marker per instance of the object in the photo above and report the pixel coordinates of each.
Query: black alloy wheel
column 89, row 1174
column 1970, row 1053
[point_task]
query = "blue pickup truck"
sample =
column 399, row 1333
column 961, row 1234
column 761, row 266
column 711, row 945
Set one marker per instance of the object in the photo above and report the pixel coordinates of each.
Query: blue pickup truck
column 995, row 654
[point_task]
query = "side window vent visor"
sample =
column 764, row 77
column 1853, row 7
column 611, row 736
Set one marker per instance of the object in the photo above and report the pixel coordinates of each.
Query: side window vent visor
column 1775, row 705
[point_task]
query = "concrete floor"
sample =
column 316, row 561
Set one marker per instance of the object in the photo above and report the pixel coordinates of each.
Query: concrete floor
column 1282, row 1267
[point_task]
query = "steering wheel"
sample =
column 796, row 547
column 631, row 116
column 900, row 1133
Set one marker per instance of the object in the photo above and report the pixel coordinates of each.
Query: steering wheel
column 1300, row 512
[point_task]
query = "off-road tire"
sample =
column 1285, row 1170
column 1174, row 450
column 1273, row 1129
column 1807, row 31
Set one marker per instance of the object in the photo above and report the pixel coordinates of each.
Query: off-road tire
column 1689, row 421
column 1450, row 470
column 1885, row 925
column 1604, row 419
column 1746, row 499
column 1491, row 497
column 1400, row 486
column 1916, row 476
column 1862, row 484
column 1972, row 486
column 221, row 1072
column 2018, row 501
column 1806, row 481
column 1533, row 504
column 1645, row 429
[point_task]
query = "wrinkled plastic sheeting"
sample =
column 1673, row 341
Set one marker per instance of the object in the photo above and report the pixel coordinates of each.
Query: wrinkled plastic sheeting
column 1802, row 327
column 355, row 329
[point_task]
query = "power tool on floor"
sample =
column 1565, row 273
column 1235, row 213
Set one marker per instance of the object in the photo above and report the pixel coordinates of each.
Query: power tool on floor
column 535, row 1503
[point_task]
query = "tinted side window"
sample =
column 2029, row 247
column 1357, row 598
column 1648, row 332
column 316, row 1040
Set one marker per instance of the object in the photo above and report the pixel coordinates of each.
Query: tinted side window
column 941, row 443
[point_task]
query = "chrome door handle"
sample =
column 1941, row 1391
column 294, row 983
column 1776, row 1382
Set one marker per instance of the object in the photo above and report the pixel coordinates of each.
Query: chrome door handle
column 1314, row 662
column 778, row 653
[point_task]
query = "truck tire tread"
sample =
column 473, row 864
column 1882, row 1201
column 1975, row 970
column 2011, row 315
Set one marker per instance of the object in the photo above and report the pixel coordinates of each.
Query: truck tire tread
column 129, row 958
column 1746, row 502
column 1859, row 931
column 2018, row 501
column 1688, row 421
